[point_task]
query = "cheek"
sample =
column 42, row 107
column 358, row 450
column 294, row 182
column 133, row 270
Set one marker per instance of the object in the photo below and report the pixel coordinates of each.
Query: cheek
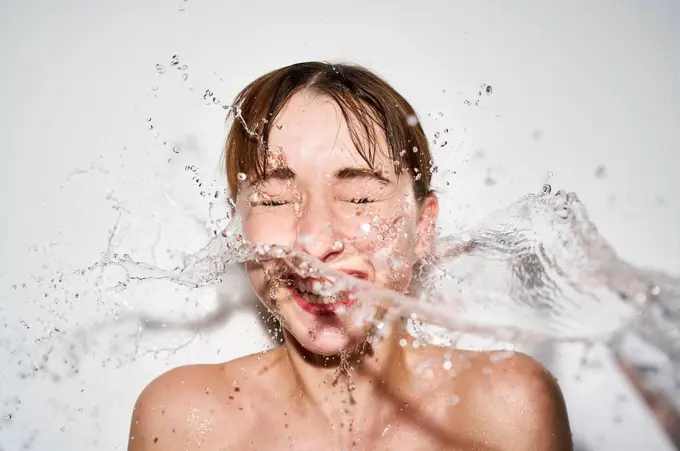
column 390, row 231
column 261, row 284
column 393, row 254
column 268, row 228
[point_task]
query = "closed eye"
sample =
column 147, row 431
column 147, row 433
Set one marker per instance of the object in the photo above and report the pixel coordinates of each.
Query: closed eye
column 272, row 203
column 361, row 200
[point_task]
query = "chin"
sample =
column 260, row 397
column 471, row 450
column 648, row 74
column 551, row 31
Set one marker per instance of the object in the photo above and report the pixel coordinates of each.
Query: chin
column 326, row 343
column 325, row 336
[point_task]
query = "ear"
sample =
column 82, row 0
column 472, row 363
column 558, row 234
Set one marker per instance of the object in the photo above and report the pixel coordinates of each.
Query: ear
column 425, row 228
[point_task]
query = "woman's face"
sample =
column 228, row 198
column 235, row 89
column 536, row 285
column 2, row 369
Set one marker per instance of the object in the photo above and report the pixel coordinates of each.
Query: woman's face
column 321, row 197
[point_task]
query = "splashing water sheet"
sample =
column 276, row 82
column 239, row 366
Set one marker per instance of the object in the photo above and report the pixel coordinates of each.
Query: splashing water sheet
column 539, row 264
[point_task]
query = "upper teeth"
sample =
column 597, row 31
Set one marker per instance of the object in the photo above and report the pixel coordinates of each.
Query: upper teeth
column 317, row 292
column 313, row 286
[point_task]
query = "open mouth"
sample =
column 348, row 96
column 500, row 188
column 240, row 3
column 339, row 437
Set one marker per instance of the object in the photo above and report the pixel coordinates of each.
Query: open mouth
column 316, row 291
column 320, row 296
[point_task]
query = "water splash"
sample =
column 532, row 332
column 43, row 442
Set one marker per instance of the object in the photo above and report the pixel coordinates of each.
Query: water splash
column 540, row 264
column 535, row 271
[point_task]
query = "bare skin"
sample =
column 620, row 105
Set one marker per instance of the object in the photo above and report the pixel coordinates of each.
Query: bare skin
column 325, row 388
column 260, row 402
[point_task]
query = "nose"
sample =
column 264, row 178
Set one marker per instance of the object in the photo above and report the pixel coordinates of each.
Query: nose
column 316, row 232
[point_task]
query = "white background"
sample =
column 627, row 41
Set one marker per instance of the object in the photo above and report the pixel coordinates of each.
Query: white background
column 576, row 85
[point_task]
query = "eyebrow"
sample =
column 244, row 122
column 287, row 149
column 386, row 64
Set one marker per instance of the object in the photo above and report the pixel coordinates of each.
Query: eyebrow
column 281, row 173
column 360, row 173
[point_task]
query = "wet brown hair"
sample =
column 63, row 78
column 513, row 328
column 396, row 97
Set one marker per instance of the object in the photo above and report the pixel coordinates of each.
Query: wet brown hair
column 367, row 102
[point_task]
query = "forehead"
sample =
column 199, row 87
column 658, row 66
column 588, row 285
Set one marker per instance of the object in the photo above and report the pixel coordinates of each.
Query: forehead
column 310, row 130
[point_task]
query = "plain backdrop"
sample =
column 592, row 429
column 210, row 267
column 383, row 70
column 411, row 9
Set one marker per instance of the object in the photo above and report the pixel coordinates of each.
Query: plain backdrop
column 585, row 96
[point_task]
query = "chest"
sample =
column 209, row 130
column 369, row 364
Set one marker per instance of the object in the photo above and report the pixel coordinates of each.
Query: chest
column 306, row 434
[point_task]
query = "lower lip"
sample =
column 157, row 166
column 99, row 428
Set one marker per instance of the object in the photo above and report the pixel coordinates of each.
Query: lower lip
column 320, row 309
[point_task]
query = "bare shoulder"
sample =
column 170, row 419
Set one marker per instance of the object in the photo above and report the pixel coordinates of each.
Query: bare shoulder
column 514, row 402
column 182, row 408
column 173, row 408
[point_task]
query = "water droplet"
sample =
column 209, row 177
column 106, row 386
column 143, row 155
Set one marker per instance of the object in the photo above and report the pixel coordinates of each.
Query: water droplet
column 175, row 149
column 418, row 177
column 489, row 90
column 550, row 174
column 181, row 8
column 448, row 365
column 444, row 143
column 241, row 176
column 547, row 189
column 365, row 227
column 600, row 171
column 436, row 135
column 415, row 149
column 337, row 245
column 455, row 399
column 160, row 69
column 185, row 77
column 403, row 342
column 412, row 120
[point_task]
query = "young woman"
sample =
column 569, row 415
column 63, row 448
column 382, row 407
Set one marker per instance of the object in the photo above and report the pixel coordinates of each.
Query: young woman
column 331, row 160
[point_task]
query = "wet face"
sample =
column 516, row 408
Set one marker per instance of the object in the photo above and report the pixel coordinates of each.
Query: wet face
column 321, row 197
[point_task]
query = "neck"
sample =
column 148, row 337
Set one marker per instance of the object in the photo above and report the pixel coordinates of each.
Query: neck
column 364, row 377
